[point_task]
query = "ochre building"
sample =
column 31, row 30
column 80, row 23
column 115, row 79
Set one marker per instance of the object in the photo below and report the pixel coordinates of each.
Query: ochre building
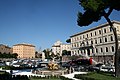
column 24, row 50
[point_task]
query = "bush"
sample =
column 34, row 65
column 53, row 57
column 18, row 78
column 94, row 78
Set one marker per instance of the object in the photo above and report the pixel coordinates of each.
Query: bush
column 64, row 78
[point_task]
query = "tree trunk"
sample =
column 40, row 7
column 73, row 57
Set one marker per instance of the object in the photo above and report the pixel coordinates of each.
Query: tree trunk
column 116, row 63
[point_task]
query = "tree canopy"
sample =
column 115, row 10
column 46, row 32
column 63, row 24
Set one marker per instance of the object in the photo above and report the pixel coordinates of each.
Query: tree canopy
column 95, row 9
column 5, row 55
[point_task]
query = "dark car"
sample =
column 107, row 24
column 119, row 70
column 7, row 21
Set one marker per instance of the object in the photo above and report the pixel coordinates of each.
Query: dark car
column 95, row 67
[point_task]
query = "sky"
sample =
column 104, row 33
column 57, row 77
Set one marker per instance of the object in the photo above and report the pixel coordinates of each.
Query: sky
column 41, row 22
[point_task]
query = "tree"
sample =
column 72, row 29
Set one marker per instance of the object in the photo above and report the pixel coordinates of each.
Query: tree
column 93, row 11
column 68, row 40
column 64, row 52
column 36, row 54
column 15, row 55
column 47, row 53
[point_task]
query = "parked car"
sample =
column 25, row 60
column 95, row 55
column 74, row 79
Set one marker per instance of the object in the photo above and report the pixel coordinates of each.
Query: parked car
column 108, row 68
column 96, row 67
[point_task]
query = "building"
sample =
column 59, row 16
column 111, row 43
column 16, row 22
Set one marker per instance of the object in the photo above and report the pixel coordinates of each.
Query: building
column 58, row 47
column 5, row 49
column 24, row 50
column 65, row 47
column 97, row 42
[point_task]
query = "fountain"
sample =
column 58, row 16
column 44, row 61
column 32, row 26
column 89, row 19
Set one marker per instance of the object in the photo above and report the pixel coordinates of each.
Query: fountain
column 52, row 68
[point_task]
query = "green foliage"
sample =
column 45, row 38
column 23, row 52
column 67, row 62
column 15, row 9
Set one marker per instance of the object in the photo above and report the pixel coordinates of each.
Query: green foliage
column 65, row 52
column 95, row 9
column 68, row 40
column 64, row 78
column 4, row 55
column 50, row 55
column 47, row 54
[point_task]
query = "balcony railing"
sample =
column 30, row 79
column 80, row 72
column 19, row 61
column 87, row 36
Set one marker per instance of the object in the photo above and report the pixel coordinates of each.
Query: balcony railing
column 87, row 46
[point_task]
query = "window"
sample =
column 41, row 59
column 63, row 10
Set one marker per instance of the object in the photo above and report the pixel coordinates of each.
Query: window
column 95, row 41
column 74, row 45
column 84, row 51
column 111, row 38
column 106, row 49
column 95, row 33
column 105, row 39
column 83, row 43
column 99, row 31
column 72, row 52
column 80, row 37
column 81, row 51
column 100, row 40
column 91, row 34
column 87, row 35
column 96, row 50
column 101, row 50
column 78, row 51
column 87, row 43
column 92, row 51
column 112, row 49
column 83, row 36
column 91, row 42
column 77, row 38
column 77, row 44
column 104, row 30
column 110, row 29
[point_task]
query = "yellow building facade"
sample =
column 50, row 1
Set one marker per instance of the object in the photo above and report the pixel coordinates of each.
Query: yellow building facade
column 24, row 50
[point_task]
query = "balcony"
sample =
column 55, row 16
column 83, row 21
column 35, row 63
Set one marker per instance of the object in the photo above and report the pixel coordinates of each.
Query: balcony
column 87, row 46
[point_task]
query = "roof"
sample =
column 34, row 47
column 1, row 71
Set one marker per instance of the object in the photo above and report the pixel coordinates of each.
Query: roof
column 102, row 25
column 24, row 44
column 5, row 46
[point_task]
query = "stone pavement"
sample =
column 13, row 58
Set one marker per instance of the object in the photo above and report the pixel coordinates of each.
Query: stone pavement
column 71, row 76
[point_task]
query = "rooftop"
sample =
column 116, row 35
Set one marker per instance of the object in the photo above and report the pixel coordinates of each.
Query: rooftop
column 99, row 26
column 24, row 44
